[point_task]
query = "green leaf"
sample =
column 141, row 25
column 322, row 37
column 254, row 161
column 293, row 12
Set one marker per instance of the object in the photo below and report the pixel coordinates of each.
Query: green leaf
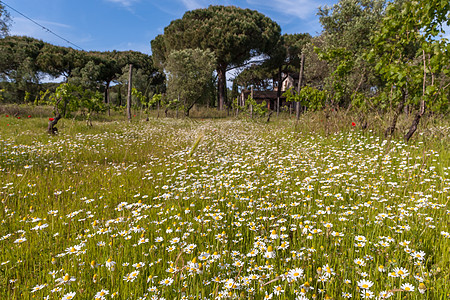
column 430, row 90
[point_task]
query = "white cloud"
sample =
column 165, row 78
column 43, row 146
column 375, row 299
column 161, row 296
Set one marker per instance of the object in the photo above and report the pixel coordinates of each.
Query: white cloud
column 303, row 9
column 296, row 15
column 23, row 26
column 126, row 3
column 192, row 4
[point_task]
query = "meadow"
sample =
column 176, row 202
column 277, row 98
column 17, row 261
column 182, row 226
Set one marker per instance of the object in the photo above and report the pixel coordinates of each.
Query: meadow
column 222, row 209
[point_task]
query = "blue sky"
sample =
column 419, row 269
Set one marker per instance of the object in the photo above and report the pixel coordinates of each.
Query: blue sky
column 105, row 25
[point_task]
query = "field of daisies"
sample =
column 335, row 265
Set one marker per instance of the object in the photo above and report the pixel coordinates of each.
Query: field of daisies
column 220, row 209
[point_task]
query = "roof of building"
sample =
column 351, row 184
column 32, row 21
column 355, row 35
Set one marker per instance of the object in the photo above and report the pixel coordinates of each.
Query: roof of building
column 294, row 75
column 261, row 95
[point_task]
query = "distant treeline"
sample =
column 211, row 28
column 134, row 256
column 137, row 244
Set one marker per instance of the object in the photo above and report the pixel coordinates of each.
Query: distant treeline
column 28, row 66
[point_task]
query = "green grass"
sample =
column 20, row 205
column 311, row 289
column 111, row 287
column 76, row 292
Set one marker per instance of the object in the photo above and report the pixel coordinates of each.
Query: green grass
column 216, row 190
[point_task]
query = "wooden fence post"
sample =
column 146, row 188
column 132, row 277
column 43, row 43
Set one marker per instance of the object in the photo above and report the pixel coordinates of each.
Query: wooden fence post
column 251, row 105
column 300, row 79
column 130, row 78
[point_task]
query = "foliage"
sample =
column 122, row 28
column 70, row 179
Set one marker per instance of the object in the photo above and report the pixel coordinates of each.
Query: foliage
column 92, row 102
column 188, row 73
column 233, row 34
column 291, row 95
column 145, row 101
column 69, row 98
column 350, row 23
column 308, row 97
column 348, row 26
column 155, row 99
column 59, row 61
column 362, row 103
column 146, row 79
column 255, row 76
column 410, row 56
column 168, row 103
column 18, row 68
column 42, row 97
column 25, row 61
column 293, row 45
column 142, row 99
column 343, row 65
column 5, row 21
column 407, row 35
column 284, row 58
column 316, row 71
column 250, row 107
column 256, row 109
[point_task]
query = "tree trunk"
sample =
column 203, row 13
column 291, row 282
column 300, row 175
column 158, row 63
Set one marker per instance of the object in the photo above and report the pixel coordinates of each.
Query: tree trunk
column 157, row 109
column 130, row 78
column 105, row 99
column 51, row 129
column 390, row 130
column 279, row 90
column 188, row 109
column 107, row 96
column 406, row 110
column 419, row 115
column 415, row 122
column 300, row 82
column 51, row 125
column 268, row 117
column 221, row 86
column 119, row 96
column 354, row 93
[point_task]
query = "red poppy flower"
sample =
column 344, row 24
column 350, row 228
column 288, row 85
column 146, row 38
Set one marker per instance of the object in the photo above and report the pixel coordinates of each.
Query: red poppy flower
column 353, row 124
column 51, row 119
column 18, row 117
column 7, row 115
column 29, row 116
